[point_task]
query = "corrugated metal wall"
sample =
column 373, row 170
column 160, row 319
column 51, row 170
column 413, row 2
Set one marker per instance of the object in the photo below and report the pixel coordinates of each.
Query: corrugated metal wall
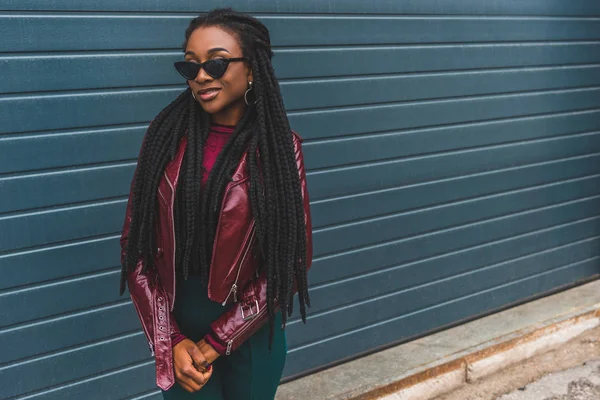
column 453, row 152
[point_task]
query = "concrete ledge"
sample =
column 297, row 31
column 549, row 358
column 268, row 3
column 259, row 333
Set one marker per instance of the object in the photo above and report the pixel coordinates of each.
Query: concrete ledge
column 439, row 363
column 425, row 385
column 501, row 355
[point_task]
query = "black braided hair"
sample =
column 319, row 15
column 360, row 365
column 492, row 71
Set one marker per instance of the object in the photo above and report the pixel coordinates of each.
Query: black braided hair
column 275, row 191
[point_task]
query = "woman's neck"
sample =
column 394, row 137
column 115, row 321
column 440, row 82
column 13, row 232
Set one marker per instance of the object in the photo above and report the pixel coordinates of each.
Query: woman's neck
column 229, row 116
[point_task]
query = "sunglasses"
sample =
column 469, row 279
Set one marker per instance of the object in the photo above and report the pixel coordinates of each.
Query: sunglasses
column 215, row 68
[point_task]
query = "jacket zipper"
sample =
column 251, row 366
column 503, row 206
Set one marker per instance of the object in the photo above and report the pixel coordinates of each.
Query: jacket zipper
column 162, row 196
column 242, row 330
column 227, row 189
column 234, row 287
column 232, row 290
column 173, row 236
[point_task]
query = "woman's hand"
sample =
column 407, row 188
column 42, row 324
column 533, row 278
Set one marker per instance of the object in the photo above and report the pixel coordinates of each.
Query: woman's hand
column 186, row 355
column 210, row 354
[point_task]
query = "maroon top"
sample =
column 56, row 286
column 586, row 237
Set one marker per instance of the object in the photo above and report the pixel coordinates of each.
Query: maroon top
column 216, row 140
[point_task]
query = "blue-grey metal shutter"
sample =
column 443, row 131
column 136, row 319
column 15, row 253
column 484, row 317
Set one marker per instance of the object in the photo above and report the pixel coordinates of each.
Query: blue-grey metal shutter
column 453, row 151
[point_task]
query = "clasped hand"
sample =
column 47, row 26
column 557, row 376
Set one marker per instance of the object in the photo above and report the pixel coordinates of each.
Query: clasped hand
column 188, row 359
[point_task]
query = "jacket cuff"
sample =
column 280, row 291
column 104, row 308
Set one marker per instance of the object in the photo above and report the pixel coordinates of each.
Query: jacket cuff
column 176, row 338
column 212, row 339
column 231, row 328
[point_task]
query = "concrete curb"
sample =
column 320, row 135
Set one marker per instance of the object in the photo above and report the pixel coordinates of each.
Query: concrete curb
column 439, row 363
column 435, row 381
column 426, row 385
column 497, row 357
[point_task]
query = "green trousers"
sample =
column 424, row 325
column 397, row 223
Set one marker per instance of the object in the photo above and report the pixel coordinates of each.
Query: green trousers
column 249, row 373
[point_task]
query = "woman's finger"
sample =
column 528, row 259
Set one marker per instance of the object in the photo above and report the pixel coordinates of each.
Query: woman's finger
column 187, row 387
column 207, row 374
column 188, row 384
column 198, row 358
column 189, row 366
column 190, row 372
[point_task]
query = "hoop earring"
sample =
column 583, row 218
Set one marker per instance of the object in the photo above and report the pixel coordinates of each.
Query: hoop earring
column 246, row 94
column 194, row 96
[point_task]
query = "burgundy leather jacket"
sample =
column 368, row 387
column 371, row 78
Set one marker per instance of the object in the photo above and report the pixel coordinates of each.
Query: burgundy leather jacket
column 233, row 270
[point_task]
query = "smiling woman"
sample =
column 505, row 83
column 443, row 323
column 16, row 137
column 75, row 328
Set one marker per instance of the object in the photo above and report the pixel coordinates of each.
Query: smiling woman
column 217, row 72
column 216, row 68
column 230, row 233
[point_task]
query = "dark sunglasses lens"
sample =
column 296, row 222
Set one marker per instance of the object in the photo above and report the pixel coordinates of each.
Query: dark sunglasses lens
column 188, row 70
column 215, row 68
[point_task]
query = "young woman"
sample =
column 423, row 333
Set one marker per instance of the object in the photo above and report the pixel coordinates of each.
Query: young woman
column 217, row 233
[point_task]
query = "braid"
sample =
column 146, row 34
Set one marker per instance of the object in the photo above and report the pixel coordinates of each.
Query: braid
column 190, row 195
column 263, row 136
column 299, row 211
column 276, row 201
column 218, row 179
column 150, row 165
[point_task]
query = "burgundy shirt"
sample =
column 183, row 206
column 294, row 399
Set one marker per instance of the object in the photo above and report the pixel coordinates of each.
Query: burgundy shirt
column 216, row 140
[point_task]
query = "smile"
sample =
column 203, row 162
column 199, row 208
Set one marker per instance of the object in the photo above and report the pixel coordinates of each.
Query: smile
column 208, row 94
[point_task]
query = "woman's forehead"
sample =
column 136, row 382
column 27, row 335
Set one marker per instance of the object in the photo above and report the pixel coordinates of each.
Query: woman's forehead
column 205, row 39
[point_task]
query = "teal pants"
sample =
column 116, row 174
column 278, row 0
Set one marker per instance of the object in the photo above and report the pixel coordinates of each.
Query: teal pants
column 249, row 373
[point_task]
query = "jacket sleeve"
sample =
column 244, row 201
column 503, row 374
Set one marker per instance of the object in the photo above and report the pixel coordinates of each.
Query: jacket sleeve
column 143, row 285
column 248, row 315
column 150, row 302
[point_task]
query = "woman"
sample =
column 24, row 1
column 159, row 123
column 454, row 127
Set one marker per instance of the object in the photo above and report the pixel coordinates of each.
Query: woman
column 217, row 233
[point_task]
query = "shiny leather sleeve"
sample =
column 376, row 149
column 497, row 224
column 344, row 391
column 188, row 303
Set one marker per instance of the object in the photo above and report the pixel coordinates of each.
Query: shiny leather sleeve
column 231, row 328
column 146, row 294
column 150, row 303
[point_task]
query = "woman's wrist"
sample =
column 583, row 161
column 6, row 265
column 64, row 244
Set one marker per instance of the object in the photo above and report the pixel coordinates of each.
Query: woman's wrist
column 177, row 338
column 208, row 351
column 216, row 343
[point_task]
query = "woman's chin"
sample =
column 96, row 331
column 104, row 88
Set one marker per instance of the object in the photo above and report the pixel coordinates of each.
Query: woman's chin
column 211, row 108
column 226, row 113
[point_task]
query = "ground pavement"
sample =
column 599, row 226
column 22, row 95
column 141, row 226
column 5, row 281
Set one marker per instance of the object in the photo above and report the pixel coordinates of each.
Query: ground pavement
column 571, row 372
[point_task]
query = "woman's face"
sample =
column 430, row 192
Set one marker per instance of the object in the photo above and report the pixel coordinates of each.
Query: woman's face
column 222, row 98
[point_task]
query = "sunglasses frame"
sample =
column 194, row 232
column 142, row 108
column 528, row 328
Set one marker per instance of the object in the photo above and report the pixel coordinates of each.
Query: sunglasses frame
column 199, row 66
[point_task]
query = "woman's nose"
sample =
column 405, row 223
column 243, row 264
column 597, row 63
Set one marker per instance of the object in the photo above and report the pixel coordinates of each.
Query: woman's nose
column 203, row 76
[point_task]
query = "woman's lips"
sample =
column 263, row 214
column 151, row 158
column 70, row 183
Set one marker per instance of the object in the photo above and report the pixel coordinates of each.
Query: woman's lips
column 207, row 95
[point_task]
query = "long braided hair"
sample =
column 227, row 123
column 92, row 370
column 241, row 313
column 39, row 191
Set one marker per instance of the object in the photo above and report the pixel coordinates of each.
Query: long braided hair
column 275, row 192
